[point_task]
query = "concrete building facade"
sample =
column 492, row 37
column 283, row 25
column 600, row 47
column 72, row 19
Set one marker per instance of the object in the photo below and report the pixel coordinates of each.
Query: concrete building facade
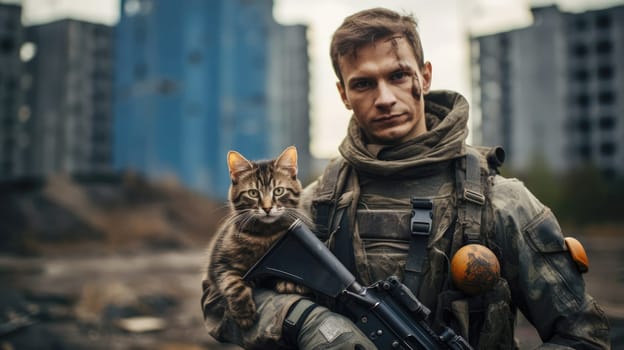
column 554, row 91
column 12, row 137
column 68, row 87
column 289, row 107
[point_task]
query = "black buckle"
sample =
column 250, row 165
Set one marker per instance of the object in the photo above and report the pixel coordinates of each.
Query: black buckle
column 422, row 212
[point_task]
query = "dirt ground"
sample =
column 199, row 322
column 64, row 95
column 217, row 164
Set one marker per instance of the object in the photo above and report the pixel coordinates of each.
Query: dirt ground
column 89, row 301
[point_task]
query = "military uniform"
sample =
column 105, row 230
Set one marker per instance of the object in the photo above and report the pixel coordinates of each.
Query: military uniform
column 370, row 188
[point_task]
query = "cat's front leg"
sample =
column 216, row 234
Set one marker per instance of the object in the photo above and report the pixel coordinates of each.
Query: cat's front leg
column 240, row 303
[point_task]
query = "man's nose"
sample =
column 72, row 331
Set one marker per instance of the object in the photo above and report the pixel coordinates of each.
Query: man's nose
column 385, row 96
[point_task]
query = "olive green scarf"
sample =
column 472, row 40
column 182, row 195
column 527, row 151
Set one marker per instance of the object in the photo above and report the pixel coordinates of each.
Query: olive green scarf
column 446, row 117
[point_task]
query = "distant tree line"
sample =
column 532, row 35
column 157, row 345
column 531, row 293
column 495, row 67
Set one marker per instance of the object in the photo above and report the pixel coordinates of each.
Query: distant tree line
column 581, row 196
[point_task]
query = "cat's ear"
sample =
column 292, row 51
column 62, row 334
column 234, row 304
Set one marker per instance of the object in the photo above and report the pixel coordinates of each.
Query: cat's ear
column 288, row 160
column 237, row 164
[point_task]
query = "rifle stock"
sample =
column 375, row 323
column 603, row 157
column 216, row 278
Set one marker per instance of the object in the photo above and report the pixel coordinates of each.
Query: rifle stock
column 387, row 312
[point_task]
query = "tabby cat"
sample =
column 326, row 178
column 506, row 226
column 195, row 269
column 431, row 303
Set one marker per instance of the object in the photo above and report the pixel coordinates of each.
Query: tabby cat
column 263, row 197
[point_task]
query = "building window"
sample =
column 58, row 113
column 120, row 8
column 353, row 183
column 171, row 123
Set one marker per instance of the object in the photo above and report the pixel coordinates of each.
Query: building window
column 603, row 21
column 606, row 123
column 140, row 33
column 604, row 47
column 585, row 151
column 195, row 57
column 167, row 87
column 580, row 24
column 504, row 42
column 583, row 100
column 10, row 25
column 6, row 45
column 581, row 75
column 7, row 122
column 579, row 50
column 11, row 84
column 605, row 72
column 606, row 97
column 607, row 149
column 6, row 167
column 101, row 31
column 140, row 71
column 584, row 125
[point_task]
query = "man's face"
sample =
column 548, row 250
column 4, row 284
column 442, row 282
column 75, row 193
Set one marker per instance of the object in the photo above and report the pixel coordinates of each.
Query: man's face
column 384, row 87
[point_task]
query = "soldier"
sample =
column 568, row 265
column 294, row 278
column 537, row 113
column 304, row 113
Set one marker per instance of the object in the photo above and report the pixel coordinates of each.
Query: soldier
column 404, row 160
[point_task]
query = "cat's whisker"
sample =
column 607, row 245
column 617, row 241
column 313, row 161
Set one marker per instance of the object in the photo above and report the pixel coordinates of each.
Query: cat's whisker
column 237, row 218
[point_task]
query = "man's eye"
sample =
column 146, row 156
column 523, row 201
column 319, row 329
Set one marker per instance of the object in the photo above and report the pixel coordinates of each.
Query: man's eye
column 398, row 75
column 361, row 85
column 253, row 193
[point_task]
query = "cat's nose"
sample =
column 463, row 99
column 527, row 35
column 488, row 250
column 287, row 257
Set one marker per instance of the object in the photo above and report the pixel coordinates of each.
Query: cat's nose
column 267, row 210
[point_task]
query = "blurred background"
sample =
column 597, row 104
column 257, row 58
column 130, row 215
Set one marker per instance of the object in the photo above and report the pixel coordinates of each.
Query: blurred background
column 116, row 117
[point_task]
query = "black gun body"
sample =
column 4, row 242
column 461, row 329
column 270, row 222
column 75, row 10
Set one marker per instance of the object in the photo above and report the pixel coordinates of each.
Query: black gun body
column 386, row 323
column 387, row 312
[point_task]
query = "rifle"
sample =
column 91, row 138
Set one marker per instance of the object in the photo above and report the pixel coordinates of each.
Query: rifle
column 387, row 311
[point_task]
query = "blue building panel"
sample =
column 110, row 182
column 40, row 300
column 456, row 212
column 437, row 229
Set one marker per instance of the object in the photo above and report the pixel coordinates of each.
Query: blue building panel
column 190, row 85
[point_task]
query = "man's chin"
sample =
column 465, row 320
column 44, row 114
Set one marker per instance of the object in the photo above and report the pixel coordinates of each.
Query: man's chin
column 389, row 138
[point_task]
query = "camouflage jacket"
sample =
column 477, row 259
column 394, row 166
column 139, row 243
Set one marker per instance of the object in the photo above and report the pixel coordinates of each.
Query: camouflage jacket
column 543, row 282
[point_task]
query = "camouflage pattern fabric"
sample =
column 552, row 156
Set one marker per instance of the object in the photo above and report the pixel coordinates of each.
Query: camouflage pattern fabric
column 266, row 333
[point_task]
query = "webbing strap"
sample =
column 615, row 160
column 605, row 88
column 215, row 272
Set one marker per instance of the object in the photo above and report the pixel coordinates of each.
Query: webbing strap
column 472, row 197
column 331, row 219
column 343, row 241
column 420, row 226
column 325, row 203
column 295, row 317
column 330, row 177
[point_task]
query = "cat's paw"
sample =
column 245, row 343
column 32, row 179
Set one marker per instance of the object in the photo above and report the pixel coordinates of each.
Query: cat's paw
column 244, row 313
column 244, row 322
column 287, row 287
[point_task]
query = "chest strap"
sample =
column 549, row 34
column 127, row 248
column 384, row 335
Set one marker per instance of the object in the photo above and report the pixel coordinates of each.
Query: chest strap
column 420, row 226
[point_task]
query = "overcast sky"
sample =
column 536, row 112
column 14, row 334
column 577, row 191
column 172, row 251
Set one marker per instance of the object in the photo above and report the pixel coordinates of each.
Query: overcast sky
column 444, row 28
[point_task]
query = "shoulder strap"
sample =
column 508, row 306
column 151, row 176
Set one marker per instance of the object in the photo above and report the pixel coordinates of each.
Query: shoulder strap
column 326, row 199
column 329, row 218
column 479, row 163
column 472, row 197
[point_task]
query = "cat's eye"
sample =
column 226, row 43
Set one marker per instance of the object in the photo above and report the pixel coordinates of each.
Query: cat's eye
column 278, row 191
column 253, row 193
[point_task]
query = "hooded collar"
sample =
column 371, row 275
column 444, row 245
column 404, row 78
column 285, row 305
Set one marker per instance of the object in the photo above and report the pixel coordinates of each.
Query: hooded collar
column 446, row 115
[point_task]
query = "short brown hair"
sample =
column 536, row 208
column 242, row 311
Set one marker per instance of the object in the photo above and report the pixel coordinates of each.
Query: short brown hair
column 366, row 27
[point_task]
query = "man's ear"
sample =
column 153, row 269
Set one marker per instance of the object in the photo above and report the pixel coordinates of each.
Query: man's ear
column 426, row 74
column 343, row 94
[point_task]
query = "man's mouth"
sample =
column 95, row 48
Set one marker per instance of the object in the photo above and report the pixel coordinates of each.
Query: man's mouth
column 386, row 118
